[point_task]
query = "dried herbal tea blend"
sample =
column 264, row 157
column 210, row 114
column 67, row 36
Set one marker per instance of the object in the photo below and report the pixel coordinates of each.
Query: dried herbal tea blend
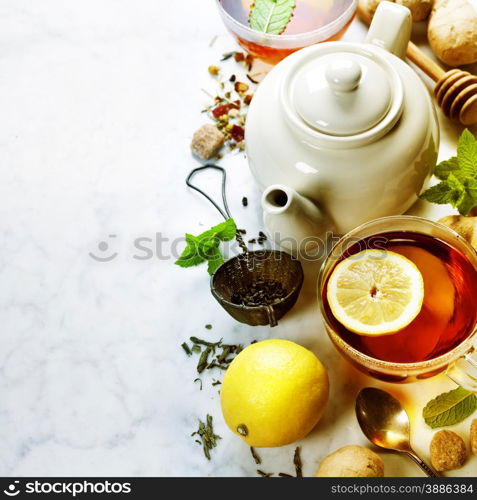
column 230, row 104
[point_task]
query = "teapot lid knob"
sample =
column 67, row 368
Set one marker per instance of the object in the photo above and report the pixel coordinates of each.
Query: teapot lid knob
column 342, row 94
column 343, row 75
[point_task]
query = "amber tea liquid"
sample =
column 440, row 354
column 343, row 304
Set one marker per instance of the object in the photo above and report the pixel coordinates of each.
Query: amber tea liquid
column 449, row 312
column 308, row 15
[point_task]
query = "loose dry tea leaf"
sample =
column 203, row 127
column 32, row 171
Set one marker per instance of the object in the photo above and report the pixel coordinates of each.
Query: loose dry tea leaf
column 214, row 354
column 200, row 381
column 206, row 433
column 186, row 349
column 227, row 55
column 297, row 462
column 264, row 474
column 260, row 292
column 255, row 456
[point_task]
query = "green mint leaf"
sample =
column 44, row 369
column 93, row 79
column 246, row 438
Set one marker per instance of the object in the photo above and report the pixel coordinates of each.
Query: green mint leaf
column 450, row 191
column 208, row 244
column 459, row 177
column 205, row 246
column 224, row 231
column 465, row 204
column 444, row 168
column 440, row 193
column 191, row 255
column 457, row 189
column 227, row 230
column 271, row 16
column 449, row 408
column 215, row 259
column 467, row 154
column 468, row 199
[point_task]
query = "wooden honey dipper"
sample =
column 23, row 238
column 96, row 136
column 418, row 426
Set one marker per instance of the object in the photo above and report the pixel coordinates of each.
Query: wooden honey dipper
column 455, row 90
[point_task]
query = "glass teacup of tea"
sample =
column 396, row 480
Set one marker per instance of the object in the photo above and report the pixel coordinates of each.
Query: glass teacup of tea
column 313, row 21
column 412, row 312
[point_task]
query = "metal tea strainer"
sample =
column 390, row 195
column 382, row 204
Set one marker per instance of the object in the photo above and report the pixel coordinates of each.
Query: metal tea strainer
column 255, row 287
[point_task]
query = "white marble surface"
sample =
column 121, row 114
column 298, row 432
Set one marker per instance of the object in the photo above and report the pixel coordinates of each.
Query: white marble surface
column 99, row 100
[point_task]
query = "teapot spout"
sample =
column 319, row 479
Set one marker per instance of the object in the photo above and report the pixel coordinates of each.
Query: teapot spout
column 391, row 28
column 294, row 222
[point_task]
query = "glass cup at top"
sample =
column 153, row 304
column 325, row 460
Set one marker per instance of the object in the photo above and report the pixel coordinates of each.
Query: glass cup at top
column 442, row 335
column 313, row 21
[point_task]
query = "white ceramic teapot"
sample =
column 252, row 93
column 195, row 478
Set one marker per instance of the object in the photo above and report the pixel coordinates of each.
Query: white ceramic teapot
column 341, row 133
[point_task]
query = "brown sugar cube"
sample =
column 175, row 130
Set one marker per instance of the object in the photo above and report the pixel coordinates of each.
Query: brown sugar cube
column 473, row 436
column 207, row 141
column 448, row 451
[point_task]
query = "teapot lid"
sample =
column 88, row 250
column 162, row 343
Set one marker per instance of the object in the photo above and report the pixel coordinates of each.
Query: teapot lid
column 342, row 93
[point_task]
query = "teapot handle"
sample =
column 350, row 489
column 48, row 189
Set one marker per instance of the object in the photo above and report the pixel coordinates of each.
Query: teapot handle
column 391, row 28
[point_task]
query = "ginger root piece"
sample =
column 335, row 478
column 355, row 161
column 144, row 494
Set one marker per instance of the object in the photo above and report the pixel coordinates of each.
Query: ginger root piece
column 420, row 9
column 464, row 225
column 473, row 436
column 448, row 451
column 351, row 461
column 452, row 31
column 207, row 141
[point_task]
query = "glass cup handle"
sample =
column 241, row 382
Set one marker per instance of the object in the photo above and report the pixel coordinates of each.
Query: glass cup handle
column 463, row 371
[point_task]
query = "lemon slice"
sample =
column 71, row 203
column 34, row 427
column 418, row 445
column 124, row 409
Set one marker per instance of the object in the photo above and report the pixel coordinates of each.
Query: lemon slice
column 375, row 292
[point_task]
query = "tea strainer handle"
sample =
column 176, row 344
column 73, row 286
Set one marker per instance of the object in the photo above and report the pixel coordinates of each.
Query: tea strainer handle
column 224, row 213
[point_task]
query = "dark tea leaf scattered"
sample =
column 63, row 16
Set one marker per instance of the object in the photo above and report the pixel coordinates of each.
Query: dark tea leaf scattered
column 207, row 436
column 200, row 382
column 297, row 462
column 261, row 292
column 255, row 456
column 186, row 349
column 212, row 354
column 264, row 474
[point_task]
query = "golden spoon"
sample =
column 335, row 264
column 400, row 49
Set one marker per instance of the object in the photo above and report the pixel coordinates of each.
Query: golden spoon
column 386, row 424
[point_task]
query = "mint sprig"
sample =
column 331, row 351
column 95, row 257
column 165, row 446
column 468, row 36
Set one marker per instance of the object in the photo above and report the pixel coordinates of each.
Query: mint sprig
column 205, row 246
column 449, row 408
column 271, row 16
column 458, row 175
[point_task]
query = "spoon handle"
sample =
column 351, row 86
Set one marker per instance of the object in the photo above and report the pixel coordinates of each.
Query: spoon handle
column 426, row 468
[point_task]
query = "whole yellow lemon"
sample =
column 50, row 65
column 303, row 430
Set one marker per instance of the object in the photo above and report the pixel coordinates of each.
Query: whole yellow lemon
column 273, row 393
